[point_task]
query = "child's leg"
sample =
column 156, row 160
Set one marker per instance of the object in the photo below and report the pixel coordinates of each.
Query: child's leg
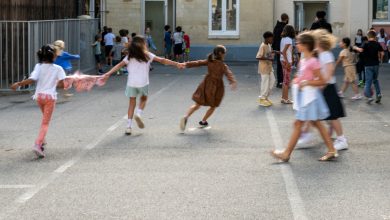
column 142, row 105
column 209, row 112
column 192, row 110
column 325, row 136
column 47, row 108
column 294, row 137
column 286, row 81
column 375, row 80
column 338, row 128
column 264, row 86
column 369, row 78
column 344, row 86
column 132, row 104
column 355, row 88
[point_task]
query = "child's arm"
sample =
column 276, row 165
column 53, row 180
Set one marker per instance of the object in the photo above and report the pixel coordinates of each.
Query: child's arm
column 114, row 69
column 61, row 84
column 319, row 81
column 197, row 63
column 339, row 60
column 230, row 76
column 22, row 83
column 284, row 52
column 168, row 62
column 69, row 56
column 94, row 44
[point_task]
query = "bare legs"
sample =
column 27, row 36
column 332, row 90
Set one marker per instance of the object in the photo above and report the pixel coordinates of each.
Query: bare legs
column 133, row 103
column 346, row 85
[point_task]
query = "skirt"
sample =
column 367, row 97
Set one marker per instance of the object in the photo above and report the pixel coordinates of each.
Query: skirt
column 316, row 110
column 210, row 92
column 335, row 105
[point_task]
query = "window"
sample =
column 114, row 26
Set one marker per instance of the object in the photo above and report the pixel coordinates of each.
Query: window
column 224, row 18
column 381, row 10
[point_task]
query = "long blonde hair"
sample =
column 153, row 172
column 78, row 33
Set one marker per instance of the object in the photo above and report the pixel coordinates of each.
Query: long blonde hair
column 324, row 39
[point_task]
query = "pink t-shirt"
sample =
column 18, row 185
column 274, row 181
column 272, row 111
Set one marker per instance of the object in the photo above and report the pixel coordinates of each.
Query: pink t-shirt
column 307, row 68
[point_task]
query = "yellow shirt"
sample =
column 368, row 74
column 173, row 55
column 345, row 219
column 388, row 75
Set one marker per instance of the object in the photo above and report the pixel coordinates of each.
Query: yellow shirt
column 265, row 66
column 349, row 58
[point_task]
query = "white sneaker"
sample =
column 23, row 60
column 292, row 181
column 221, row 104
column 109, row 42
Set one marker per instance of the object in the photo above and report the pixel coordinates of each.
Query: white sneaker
column 357, row 97
column 128, row 131
column 38, row 151
column 305, row 140
column 341, row 144
column 139, row 121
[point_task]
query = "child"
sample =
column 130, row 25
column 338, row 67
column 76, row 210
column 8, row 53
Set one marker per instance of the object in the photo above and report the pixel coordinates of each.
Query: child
column 48, row 77
column 309, row 103
column 167, row 42
column 286, row 58
column 98, row 52
column 360, row 65
column 178, row 48
column 64, row 58
column 116, row 52
column 373, row 54
column 149, row 40
column 347, row 58
column 359, row 38
column 187, row 43
column 138, row 61
column 382, row 40
column 265, row 57
column 211, row 90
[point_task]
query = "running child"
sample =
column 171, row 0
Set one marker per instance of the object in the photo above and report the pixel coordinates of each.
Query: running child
column 347, row 58
column 309, row 103
column 138, row 62
column 47, row 76
column 211, row 90
column 265, row 57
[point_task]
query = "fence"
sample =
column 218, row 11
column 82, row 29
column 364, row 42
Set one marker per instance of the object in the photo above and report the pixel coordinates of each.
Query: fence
column 20, row 40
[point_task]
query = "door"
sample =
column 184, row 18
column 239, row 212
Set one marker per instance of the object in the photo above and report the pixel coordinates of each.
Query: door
column 305, row 13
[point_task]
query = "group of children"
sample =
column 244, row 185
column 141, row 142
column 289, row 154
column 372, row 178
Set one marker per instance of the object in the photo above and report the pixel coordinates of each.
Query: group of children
column 179, row 41
column 49, row 76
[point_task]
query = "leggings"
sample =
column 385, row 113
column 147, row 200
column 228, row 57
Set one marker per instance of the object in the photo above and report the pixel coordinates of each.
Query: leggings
column 47, row 107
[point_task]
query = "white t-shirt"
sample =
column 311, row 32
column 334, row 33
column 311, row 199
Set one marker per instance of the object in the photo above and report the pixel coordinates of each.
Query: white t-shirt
column 285, row 41
column 178, row 37
column 124, row 40
column 381, row 39
column 138, row 71
column 109, row 39
column 47, row 76
column 327, row 58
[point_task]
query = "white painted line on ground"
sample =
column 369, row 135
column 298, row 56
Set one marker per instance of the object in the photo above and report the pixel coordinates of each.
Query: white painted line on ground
column 296, row 203
column 48, row 180
column 15, row 186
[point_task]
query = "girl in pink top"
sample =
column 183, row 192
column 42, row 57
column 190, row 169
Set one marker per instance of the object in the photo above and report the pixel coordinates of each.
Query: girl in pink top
column 309, row 103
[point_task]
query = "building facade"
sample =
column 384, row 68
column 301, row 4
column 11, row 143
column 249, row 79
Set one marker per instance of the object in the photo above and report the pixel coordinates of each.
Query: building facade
column 239, row 24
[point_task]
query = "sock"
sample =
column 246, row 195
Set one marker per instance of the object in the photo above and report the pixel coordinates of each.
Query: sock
column 129, row 121
column 139, row 112
column 341, row 138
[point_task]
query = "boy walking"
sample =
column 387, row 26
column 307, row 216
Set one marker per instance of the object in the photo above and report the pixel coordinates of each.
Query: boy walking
column 265, row 57
column 373, row 55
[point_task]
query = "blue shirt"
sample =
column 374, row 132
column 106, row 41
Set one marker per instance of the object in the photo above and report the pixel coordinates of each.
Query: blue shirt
column 168, row 38
column 64, row 60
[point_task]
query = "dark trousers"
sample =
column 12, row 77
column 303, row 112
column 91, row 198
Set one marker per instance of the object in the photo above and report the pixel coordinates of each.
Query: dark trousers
column 279, row 70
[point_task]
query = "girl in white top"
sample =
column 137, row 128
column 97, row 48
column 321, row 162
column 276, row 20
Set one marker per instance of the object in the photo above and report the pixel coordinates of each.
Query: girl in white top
column 286, row 58
column 138, row 61
column 48, row 77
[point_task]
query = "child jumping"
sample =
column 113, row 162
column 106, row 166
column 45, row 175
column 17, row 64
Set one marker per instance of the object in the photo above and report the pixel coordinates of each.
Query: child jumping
column 265, row 57
column 48, row 77
column 347, row 58
column 211, row 90
column 309, row 102
column 138, row 62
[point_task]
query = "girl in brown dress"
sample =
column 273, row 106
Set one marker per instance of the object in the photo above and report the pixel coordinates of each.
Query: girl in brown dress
column 211, row 90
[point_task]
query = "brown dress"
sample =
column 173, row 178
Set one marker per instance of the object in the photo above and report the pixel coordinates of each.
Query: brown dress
column 211, row 90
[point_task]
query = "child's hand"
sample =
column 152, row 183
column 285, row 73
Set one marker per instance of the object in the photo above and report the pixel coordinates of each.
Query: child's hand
column 15, row 86
column 233, row 86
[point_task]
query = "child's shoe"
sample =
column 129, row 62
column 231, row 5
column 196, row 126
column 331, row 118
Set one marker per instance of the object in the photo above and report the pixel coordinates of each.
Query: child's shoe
column 269, row 101
column 139, row 121
column 264, row 102
column 370, row 100
column 341, row 144
column 38, row 151
column 203, row 124
column 357, row 97
column 128, row 131
column 361, row 84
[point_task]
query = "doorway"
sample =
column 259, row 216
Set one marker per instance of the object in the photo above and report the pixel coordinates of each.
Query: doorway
column 158, row 13
column 305, row 13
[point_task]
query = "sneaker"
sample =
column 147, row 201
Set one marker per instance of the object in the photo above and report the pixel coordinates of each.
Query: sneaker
column 286, row 101
column 139, row 121
column 264, row 102
column 203, row 124
column 341, row 95
column 305, row 140
column 183, row 124
column 370, row 100
column 378, row 99
column 269, row 101
column 341, row 144
column 128, row 131
column 357, row 97
column 361, row 84
column 38, row 151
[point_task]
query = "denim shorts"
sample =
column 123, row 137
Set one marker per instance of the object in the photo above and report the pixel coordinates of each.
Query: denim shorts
column 133, row 92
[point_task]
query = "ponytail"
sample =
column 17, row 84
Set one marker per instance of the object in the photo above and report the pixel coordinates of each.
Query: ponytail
column 217, row 53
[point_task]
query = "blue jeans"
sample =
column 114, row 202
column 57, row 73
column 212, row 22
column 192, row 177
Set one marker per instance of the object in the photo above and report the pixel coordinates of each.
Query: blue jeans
column 372, row 73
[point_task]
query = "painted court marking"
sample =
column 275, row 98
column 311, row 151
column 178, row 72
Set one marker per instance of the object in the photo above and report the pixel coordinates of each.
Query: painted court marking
column 16, row 186
column 34, row 189
column 294, row 197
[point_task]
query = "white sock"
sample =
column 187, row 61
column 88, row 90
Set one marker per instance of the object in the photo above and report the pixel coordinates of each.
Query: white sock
column 129, row 121
column 341, row 138
column 139, row 112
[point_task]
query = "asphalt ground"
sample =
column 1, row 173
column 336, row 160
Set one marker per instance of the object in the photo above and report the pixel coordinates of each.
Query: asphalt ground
column 93, row 171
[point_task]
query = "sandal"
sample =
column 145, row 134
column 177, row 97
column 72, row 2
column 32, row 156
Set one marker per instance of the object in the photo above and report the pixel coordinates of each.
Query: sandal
column 329, row 156
column 286, row 101
column 280, row 156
